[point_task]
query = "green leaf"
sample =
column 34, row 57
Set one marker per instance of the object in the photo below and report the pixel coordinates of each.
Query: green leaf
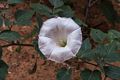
column 23, row 14
column 3, row 70
column 90, row 75
column 39, row 21
column 35, row 43
column 86, row 44
column 79, row 22
column 85, row 51
column 112, row 72
column 1, row 21
column 9, row 35
column 108, row 10
column 23, row 17
column 42, row 9
column 107, row 52
column 1, row 52
column 23, row 22
column 56, row 3
column 57, row 10
column 113, row 34
column 66, row 1
column 64, row 74
column 15, row 1
column 118, row 45
column 66, row 12
column 7, row 22
column 97, row 35
column 3, row 0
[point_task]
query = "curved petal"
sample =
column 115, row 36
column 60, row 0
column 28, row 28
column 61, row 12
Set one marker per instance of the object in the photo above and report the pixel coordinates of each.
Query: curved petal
column 68, row 24
column 46, row 45
column 74, row 41
column 48, row 26
column 62, row 26
column 60, row 54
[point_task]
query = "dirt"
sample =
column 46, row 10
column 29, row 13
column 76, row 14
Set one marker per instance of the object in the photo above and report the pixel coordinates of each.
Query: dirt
column 21, row 63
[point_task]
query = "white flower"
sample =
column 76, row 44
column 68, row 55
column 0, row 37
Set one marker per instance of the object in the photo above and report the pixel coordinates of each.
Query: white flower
column 60, row 39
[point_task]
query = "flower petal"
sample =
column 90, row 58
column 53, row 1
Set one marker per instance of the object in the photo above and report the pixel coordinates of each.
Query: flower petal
column 48, row 25
column 61, row 54
column 68, row 24
column 46, row 45
column 74, row 41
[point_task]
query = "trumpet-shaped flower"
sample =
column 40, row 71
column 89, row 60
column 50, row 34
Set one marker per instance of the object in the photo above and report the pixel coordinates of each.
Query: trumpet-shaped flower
column 60, row 39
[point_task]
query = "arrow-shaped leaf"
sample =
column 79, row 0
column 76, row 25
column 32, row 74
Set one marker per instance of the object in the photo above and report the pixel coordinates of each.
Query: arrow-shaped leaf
column 64, row 74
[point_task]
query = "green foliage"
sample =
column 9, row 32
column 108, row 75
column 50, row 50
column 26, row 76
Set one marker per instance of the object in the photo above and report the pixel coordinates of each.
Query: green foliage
column 15, row 1
column 7, row 22
column 3, row 70
column 41, row 9
column 64, row 74
column 107, row 53
column 97, row 35
column 85, row 51
column 23, row 17
column 66, row 11
column 108, row 10
column 81, row 23
column 56, row 3
column 9, row 36
column 113, row 35
column 90, row 75
column 1, row 21
column 3, row 0
column 39, row 21
column 112, row 72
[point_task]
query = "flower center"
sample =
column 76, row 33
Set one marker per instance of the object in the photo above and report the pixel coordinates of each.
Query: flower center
column 62, row 43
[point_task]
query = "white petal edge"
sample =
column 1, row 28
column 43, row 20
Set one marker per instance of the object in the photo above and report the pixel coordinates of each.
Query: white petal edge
column 48, row 25
column 74, row 41
column 63, row 23
column 61, row 54
column 46, row 45
column 68, row 24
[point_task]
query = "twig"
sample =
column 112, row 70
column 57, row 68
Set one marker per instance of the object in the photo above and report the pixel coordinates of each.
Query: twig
column 87, row 10
column 90, row 63
column 17, row 44
column 111, row 64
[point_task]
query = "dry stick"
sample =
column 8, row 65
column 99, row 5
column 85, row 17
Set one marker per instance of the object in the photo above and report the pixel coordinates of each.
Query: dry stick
column 16, row 44
column 87, row 10
column 111, row 64
column 90, row 4
column 90, row 63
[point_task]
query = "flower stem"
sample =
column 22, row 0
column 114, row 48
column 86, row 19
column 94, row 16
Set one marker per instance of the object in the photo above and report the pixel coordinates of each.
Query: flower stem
column 17, row 44
column 90, row 63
